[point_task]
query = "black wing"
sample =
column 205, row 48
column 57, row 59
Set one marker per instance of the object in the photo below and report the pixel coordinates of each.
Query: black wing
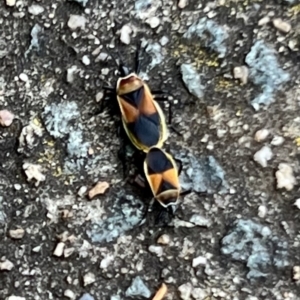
column 146, row 129
column 134, row 98
column 157, row 162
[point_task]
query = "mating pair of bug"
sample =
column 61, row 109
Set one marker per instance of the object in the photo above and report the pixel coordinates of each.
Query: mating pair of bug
column 145, row 125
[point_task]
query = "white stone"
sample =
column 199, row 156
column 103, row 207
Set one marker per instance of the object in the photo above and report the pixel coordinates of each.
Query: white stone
column 99, row 96
column 6, row 118
column 68, row 251
column 297, row 203
column 59, row 249
column 153, row 22
column 264, row 21
column 185, row 291
column 285, row 177
column 15, row 298
column 106, row 261
column 182, row 3
column 158, row 250
column 199, row 294
column 69, row 294
column 6, row 265
column 164, row 239
column 261, row 135
column 263, row 156
column 282, row 25
column 11, row 3
column 23, row 77
column 17, row 234
column 88, row 278
column 76, row 21
column 296, row 273
column 33, row 171
column 85, row 60
column 164, row 41
column 82, row 190
column 262, row 211
column 35, row 9
column 70, row 73
column 126, row 31
column 199, row 261
column 277, row 140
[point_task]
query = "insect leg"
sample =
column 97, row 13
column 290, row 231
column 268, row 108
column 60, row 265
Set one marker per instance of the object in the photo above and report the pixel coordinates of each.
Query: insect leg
column 180, row 165
column 138, row 59
column 109, row 88
column 158, row 92
column 123, row 158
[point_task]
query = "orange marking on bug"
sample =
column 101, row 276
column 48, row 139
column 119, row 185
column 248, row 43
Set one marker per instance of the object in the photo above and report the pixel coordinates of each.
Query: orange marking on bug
column 147, row 106
column 155, row 182
column 171, row 176
column 130, row 112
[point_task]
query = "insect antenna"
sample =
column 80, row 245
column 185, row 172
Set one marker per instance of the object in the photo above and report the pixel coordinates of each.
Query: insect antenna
column 112, row 56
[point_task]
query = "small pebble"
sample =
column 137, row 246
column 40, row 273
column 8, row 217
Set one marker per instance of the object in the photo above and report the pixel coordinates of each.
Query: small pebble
column 17, row 234
column 101, row 57
column 199, row 293
column 33, row 171
column 35, row 9
column 153, row 22
column 85, row 60
column 76, row 21
column 296, row 273
column 59, row 249
column 99, row 96
column 10, row 2
column 164, row 239
column 185, row 291
column 17, row 186
column 88, row 278
column 277, row 140
column 126, row 31
column 6, row 265
column 285, row 177
column 69, row 294
column 23, row 77
column 293, row 45
column 106, row 261
column 137, row 288
column 263, row 156
column 264, row 21
column 282, row 25
column 105, row 71
column 86, row 296
column 164, row 41
column 261, row 135
column 98, row 189
column 68, row 251
column 182, row 3
column 158, row 250
column 70, row 74
column 36, row 249
column 262, row 211
column 199, row 261
column 81, row 192
column 6, row 118
column 297, row 203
